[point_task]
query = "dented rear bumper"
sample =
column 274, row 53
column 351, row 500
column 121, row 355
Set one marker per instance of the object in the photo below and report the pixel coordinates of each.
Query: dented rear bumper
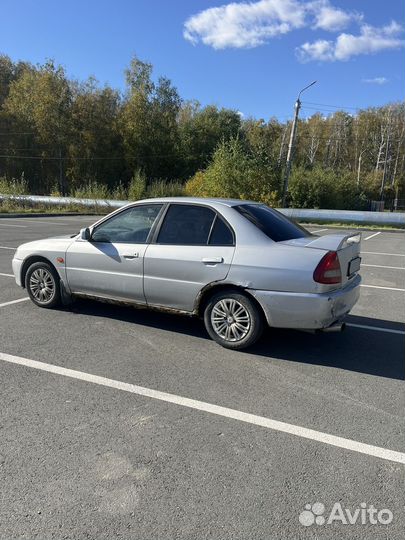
column 307, row 310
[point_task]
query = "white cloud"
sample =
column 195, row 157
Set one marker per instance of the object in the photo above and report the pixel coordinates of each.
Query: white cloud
column 370, row 40
column 376, row 80
column 250, row 24
column 244, row 25
column 321, row 49
column 332, row 19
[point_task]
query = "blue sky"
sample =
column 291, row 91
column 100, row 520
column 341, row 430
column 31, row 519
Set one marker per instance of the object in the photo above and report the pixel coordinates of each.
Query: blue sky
column 250, row 56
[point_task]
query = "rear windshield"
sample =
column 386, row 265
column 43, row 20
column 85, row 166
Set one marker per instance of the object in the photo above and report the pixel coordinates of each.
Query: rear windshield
column 272, row 223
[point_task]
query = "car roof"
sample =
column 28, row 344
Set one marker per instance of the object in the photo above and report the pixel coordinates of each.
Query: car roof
column 202, row 200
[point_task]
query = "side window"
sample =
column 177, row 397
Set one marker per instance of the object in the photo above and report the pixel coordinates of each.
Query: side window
column 185, row 224
column 221, row 234
column 129, row 227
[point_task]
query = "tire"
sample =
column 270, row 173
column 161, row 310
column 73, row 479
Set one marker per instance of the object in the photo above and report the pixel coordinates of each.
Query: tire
column 42, row 284
column 233, row 320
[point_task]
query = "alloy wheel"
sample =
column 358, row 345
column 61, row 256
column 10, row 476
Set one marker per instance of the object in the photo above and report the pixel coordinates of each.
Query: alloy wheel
column 230, row 319
column 42, row 285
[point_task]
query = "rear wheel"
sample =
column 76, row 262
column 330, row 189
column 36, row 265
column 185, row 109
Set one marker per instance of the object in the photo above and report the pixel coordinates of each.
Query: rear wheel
column 42, row 284
column 233, row 320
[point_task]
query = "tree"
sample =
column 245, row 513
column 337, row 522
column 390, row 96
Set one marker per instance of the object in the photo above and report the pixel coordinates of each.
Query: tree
column 201, row 130
column 238, row 173
column 41, row 99
column 148, row 122
column 95, row 147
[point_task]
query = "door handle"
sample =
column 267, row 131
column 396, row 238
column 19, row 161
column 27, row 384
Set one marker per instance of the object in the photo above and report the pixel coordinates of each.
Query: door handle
column 212, row 260
column 131, row 256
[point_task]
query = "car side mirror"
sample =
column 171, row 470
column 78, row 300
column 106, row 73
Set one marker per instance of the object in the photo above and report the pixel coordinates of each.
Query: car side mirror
column 85, row 234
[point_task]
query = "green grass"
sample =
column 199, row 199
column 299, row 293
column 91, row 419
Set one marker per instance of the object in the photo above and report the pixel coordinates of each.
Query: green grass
column 14, row 207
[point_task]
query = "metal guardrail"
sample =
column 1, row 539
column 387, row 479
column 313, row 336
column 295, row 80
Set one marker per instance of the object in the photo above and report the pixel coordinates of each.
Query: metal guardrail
column 61, row 201
column 331, row 216
column 346, row 216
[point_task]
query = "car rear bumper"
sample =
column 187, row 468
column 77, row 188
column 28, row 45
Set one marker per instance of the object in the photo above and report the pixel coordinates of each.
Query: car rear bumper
column 16, row 264
column 306, row 310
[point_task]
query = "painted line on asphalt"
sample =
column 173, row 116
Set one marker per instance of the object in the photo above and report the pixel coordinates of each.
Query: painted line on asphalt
column 380, row 287
column 6, row 275
column 9, row 225
column 6, row 247
column 377, row 328
column 382, row 266
column 320, row 230
column 275, row 425
column 378, row 253
column 13, row 302
column 372, row 235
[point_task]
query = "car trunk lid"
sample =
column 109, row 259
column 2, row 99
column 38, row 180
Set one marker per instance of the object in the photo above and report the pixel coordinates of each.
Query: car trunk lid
column 347, row 247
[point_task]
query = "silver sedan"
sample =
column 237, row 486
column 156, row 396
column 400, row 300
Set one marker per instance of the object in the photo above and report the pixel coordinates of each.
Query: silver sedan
column 239, row 265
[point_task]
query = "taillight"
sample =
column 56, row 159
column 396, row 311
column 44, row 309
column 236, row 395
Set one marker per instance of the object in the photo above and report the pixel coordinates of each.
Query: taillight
column 328, row 270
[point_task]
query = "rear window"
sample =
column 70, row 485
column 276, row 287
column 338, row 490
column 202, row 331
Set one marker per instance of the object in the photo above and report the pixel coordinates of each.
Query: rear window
column 221, row 234
column 272, row 223
column 186, row 225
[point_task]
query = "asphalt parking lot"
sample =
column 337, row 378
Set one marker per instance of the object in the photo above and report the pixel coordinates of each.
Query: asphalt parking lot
column 83, row 456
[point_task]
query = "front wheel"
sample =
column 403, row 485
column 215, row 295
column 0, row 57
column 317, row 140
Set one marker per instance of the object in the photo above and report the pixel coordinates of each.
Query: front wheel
column 233, row 320
column 42, row 284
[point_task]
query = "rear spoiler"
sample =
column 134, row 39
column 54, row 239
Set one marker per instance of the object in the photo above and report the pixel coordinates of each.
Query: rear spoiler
column 335, row 242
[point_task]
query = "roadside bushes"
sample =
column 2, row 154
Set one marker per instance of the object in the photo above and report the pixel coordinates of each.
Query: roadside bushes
column 13, row 186
column 236, row 172
column 318, row 187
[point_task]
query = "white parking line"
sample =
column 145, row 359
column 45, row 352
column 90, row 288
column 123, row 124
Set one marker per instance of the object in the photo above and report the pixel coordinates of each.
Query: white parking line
column 320, row 230
column 372, row 235
column 382, row 266
column 13, row 302
column 9, row 225
column 275, row 425
column 6, row 247
column 377, row 328
column 378, row 253
column 6, row 275
column 379, row 287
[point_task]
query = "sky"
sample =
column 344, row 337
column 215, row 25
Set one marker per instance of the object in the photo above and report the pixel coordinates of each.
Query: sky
column 253, row 56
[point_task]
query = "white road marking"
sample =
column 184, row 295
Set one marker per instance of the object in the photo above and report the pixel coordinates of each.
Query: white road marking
column 291, row 429
column 9, row 225
column 379, row 287
column 378, row 253
column 382, row 266
column 6, row 275
column 14, row 302
column 320, row 230
column 372, row 235
column 377, row 328
column 6, row 247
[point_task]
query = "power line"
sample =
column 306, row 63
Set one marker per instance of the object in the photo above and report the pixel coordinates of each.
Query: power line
column 331, row 106
column 324, row 110
column 71, row 158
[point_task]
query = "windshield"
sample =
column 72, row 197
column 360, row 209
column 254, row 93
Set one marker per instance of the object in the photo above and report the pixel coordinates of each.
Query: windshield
column 272, row 223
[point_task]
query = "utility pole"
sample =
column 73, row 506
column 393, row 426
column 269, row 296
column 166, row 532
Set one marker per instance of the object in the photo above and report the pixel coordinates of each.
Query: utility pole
column 297, row 107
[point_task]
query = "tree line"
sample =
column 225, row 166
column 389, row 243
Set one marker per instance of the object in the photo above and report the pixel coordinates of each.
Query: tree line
column 59, row 135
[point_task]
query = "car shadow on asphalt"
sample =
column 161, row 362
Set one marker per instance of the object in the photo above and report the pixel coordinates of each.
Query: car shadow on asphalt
column 356, row 349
